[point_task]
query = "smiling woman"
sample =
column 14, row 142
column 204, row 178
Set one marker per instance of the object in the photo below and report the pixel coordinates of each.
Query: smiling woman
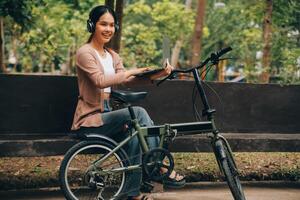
column 103, row 32
column 98, row 69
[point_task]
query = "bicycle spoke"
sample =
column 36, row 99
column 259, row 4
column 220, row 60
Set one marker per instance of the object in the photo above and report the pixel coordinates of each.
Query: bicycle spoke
column 154, row 170
column 81, row 181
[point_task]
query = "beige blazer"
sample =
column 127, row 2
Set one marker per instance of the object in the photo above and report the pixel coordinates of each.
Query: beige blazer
column 91, row 84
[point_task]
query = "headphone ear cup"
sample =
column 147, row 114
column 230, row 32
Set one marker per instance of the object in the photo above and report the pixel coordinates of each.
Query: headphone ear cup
column 90, row 26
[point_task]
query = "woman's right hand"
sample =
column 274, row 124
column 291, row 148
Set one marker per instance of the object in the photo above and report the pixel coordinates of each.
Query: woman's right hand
column 133, row 72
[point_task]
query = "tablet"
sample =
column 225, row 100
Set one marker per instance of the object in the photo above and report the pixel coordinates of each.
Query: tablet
column 149, row 72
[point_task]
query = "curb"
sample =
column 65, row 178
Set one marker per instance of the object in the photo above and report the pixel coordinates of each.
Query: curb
column 192, row 185
column 266, row 184
column 55, row 191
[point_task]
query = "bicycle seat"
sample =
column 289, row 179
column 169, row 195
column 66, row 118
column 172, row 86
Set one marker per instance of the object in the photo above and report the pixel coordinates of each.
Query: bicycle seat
column 127, row 96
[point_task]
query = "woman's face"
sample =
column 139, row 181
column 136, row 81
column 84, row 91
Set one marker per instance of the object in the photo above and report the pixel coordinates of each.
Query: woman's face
column 105, row 28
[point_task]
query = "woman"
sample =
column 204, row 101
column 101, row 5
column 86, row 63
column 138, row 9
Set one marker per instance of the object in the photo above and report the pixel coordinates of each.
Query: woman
column 98, row 69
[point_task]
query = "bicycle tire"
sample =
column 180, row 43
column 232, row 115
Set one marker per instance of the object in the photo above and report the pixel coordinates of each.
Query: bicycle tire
column 230, row 172
column 79, row 183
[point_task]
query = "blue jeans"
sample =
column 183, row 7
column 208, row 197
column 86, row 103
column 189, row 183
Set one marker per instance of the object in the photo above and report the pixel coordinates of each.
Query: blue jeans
column 113, row 127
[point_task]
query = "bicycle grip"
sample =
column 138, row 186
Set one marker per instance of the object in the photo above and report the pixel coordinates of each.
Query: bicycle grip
column 223, row 51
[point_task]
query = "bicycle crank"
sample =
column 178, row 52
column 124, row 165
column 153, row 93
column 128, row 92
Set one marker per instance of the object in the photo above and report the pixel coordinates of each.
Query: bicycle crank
column 157, row 164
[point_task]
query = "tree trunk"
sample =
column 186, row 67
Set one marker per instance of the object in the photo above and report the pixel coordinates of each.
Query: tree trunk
column 197, row 36
column 267, row 36
column 179, row 42
column 117, row 37
column 67, row 67
column 2, row 65
column 15, row 52
column 221, row 70
column 110, row 3
column 115, row 43
column 176, row 52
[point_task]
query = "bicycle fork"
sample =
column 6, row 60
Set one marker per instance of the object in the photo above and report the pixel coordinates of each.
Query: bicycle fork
column 220, row 144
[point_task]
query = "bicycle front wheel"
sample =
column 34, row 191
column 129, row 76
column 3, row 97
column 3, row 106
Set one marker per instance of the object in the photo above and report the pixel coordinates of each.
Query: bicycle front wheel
column 228, row 167
column 83, row 178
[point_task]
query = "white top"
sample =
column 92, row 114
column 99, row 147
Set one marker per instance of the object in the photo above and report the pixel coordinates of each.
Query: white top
column 107, row 64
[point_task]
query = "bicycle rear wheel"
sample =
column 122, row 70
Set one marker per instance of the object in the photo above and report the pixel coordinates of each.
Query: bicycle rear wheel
column 228, row 167
column 82, row 179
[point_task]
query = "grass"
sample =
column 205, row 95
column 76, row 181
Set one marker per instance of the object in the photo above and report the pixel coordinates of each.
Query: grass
column 33, row 172
column 252, row 166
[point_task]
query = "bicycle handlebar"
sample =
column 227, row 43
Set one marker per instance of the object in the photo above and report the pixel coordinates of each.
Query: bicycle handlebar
column 223, row 51
column 214, row 58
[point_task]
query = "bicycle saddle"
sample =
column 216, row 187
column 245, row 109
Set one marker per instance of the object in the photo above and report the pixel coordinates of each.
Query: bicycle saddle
column 127, row 96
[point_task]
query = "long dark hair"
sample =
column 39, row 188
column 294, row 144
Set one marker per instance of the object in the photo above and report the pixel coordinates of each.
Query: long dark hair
column 97, row 12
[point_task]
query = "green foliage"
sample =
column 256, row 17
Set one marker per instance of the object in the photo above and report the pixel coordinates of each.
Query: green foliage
column 44, row 31
column 140, row 49
column 286, row 41
column 19, row 11
column 57, row 26
column 172, row 19
column 290, row 73
column 145, row 26
column 51, row 36
column 239, row 24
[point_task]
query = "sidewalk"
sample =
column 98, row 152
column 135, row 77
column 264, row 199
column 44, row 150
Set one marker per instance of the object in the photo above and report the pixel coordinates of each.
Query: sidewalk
column 276, row 190
column 202, row 190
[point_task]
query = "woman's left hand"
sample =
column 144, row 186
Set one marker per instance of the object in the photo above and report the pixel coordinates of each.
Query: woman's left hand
column 168, row 69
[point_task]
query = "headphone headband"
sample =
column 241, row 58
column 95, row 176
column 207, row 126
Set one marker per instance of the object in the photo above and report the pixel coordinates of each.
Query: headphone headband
column 92, row 25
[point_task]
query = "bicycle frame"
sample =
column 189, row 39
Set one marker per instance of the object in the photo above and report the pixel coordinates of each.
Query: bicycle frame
column 163, row 131
column 98, row 175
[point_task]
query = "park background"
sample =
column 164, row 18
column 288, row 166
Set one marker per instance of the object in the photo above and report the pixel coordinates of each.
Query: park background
column 42, row 36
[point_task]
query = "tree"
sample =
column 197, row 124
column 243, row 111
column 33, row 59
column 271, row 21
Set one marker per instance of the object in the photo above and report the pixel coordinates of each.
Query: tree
column 20, row 12
column 235, row 24
column 2, row 66
column 116, row 40
column 57, row 27
column 145, row 26
column 285, row 49
column 139, row 46
column 180, row 41
column 197, row 36
column 267, row 36
column 110, row 3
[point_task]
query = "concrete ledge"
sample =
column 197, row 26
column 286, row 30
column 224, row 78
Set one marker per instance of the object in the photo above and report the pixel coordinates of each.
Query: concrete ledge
column 241, row 108
column 36, row 147
column 243, row 142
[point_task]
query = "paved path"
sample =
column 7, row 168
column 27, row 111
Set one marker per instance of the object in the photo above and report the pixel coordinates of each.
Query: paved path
column 205, row 191
column 253, row 193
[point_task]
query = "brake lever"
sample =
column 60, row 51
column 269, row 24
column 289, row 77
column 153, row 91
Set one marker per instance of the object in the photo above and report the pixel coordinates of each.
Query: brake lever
column 214, row 58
